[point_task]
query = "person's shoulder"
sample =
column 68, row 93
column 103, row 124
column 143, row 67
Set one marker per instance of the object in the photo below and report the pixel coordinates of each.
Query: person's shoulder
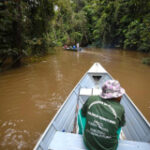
column 120, row 108
column 93, row 98
column 115, row 104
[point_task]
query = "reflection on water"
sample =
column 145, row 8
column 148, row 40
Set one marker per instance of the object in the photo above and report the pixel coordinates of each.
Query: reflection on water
column 31, row 95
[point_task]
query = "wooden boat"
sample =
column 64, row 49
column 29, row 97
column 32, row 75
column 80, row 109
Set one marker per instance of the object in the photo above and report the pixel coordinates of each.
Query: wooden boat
column 58, row 135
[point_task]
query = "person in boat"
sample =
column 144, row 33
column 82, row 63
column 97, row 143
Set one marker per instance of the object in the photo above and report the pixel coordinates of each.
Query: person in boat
column 78, row 46
column 104, row 117
column 65, row 46
column 74, row 47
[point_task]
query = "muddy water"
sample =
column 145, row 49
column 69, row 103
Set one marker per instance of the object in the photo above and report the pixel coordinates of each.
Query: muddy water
column 31, row 95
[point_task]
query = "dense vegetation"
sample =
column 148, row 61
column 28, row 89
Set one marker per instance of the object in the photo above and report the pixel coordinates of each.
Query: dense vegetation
column 24, row 25
column 31, row 27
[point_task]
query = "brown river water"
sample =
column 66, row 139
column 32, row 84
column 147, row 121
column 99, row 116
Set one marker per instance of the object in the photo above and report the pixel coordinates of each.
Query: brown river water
column 31, row 94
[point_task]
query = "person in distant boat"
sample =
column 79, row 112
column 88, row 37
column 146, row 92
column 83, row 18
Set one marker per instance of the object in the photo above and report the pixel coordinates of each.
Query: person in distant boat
column 78, row 47
column 74, row 47
column 104, row 117
column 65, row 46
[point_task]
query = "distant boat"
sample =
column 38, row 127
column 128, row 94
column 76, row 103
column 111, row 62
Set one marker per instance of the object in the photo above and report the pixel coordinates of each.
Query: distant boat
column 135, row 135
column 73, row 49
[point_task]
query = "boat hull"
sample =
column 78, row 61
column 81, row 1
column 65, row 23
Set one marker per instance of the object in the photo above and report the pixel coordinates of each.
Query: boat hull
column 137, row 128
column 73, row 49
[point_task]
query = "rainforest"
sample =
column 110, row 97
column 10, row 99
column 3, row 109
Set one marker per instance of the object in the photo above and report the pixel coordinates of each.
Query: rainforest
column 34, row 27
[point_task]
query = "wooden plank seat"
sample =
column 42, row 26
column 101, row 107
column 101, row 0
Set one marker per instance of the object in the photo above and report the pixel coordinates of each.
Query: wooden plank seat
column 90, row 91
column 71, row 141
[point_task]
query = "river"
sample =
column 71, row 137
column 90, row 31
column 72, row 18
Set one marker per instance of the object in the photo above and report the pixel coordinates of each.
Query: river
column 31, row 95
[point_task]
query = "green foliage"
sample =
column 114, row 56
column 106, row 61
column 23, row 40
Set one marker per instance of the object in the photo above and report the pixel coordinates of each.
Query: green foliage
column 69, row 26
column 132, row 35
column 121, row 23
column 23, row 25
column 32, row 27
column 138, row 35
column 145, row 35
column 11, row 26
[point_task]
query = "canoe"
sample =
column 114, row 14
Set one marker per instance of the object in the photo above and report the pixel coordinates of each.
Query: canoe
column 59, row 133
